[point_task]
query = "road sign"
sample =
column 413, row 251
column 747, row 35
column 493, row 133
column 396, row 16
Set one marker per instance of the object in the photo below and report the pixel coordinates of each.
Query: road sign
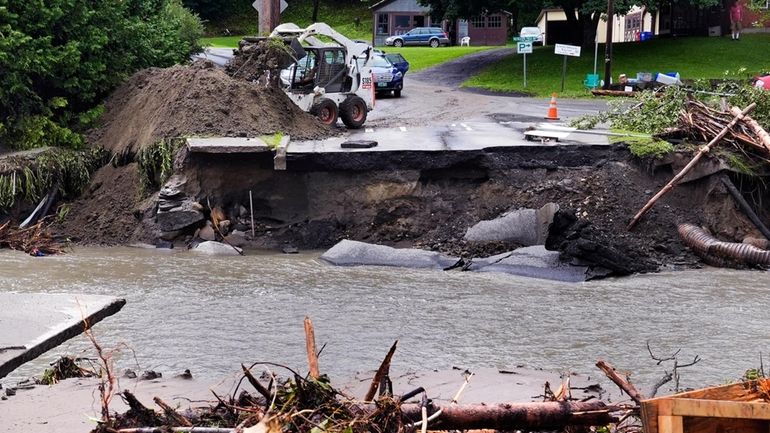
column 258, row 5
column 567, row 50
column 524, row 47
column 525, row 38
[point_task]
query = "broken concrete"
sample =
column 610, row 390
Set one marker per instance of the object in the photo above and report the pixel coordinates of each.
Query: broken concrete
column 524, row 226
column 534, row 262
column 216, row 249
column 354, row 253
column 227, row 145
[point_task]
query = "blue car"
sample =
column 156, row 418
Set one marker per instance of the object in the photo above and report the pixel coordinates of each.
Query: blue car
column 432, row 36
column 389, row 70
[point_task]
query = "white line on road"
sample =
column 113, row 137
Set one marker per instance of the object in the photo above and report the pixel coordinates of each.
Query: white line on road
column 467, row 128
column 369, row 129
column 402, row 128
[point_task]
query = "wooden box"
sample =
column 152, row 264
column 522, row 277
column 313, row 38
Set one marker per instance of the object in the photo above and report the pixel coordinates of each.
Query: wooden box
column 733, row 408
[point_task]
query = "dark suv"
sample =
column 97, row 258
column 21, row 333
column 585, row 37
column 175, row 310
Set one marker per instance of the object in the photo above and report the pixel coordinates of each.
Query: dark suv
column 432, row 36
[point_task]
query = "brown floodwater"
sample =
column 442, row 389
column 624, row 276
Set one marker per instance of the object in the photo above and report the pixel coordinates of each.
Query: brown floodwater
column 209, row 314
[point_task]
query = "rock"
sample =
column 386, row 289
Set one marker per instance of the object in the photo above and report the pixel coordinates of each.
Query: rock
column 185, row 375
column 352, row 253
column 164, row 244
column 216, row 249
column 533, row 261
column 237, row 238
column 170, row 236
column 150, row 375
column 170, row 192
column 10, row 392
column 290, row 249
column 242, row 211
column 523, row 226
column 224, row 226
column 179, row 217
column 130, row 374
column 207, row 232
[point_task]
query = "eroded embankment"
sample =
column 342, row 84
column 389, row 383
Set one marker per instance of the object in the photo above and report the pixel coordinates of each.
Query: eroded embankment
column 429, row 200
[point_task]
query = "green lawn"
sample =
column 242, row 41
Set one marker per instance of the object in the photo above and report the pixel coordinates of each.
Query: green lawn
column 418, row 57
column 693, row 58
column 425, row 57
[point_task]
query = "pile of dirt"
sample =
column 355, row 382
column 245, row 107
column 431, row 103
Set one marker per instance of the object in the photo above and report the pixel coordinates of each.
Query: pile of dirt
column 196, row 99
column 260, row 61
column 109, row 212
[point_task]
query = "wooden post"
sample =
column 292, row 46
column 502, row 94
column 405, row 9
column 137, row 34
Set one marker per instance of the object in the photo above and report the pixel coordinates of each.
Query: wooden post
column 269, row 16
column 703, row 150
column 312, row 355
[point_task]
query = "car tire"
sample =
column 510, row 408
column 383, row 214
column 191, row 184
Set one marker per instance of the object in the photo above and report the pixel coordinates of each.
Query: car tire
column 326, row 111
column 434, row 43
column 398, row 43
column 397, row 93
column 353, row 112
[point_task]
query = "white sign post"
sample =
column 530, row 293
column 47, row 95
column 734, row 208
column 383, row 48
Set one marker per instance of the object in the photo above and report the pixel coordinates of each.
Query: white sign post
column 566, row 51
column 524, row 46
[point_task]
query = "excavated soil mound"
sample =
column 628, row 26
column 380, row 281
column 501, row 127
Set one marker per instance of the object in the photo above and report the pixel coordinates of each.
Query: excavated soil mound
column 196, row 99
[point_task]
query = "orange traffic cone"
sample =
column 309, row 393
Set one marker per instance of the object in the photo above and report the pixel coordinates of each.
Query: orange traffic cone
column 553, row 113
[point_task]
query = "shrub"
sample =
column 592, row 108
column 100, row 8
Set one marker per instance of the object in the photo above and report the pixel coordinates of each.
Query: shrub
column 61, row 57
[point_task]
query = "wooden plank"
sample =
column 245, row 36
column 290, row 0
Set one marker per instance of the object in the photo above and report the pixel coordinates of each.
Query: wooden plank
column 735, row 392
column 719, row 409
column 650, row 416
column 717, row 425
column 670, row 424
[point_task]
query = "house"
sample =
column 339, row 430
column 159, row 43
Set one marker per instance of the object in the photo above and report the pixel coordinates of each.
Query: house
column 396, row 17
column 670, row 20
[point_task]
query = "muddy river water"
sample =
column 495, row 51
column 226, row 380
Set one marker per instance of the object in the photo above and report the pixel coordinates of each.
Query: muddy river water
column 210, row 314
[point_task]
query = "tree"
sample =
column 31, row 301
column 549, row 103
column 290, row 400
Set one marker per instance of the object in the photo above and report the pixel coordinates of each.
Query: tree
column 60, row 58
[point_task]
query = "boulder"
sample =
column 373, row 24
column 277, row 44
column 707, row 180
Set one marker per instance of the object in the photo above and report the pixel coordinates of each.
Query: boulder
column 207, row 232
column 533, row 261
column 237, row 238
column 180, row 217
column 523, row 226
column 353, row 253
column 216, row 249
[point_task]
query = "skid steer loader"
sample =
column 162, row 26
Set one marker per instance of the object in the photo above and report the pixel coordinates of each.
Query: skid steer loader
column 330, row 80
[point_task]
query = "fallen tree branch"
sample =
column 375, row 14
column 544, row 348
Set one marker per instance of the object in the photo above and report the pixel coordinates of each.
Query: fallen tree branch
column 383, row 370
column 613, row 375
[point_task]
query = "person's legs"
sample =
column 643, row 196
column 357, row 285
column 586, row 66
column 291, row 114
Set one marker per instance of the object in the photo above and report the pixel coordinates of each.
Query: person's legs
column 734, row 29
column 738, row 27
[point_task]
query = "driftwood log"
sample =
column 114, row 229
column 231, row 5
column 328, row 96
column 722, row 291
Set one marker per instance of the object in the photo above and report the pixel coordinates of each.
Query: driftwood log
column 515, row 416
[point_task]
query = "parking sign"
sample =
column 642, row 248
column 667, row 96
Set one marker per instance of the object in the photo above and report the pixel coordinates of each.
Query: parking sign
column 524, row 47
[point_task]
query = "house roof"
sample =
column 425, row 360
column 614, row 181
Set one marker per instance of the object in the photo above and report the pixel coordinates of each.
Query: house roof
column 544, row 10
column 380, row 4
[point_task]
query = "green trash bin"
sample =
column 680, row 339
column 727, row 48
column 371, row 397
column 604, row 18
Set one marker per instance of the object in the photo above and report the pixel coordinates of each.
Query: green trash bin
column 591, row 81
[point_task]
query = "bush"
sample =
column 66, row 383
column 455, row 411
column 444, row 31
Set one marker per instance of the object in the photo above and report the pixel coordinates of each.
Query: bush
column 60, row 58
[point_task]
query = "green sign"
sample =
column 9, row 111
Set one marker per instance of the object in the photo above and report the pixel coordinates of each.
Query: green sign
column 525, row 38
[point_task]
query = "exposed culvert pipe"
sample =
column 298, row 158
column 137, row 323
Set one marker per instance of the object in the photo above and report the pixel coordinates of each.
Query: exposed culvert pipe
column 719, row 253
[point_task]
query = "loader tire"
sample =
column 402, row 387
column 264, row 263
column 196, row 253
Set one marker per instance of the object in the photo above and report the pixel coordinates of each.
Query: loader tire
column 326, row 111
column 353, row 112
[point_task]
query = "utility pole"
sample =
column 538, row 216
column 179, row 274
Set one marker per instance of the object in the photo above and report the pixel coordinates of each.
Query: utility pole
column 608, row 45
column 269, row 16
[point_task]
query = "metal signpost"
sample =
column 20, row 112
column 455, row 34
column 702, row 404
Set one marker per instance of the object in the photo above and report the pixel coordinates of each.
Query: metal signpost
column 566, row 50
column 524, row 46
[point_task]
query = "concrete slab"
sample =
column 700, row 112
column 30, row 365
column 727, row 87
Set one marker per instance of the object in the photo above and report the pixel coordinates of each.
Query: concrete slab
column 33, row 323
column 227, row 145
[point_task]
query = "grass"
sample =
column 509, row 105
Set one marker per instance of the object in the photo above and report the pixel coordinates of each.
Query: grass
column 425, row 57
column 340, row 15
column 693, row 58
column 418, row 57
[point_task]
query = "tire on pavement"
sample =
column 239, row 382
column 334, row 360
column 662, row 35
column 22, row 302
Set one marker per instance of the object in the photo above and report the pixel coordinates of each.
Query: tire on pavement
column 398, row 43
column 397, row 93
column 353, row 112
column 434, row 43
column 326, row 111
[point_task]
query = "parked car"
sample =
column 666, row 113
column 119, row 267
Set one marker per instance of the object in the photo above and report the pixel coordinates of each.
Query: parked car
column 431, row 36
column 532, row 32
column 388, row 70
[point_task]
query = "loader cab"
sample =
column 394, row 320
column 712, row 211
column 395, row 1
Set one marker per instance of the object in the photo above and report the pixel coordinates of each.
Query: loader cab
column 321, row 67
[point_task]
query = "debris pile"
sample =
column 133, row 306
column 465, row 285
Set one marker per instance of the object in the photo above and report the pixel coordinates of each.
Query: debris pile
column 259, row 60
column 34, row 240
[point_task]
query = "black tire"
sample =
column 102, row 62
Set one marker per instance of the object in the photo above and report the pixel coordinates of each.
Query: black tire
column 434, row 43
column 353, row 112
column 397, row 93
column 398, row 43
column 326, row 111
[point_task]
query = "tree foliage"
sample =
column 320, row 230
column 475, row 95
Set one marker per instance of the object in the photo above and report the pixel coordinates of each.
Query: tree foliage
column 60, row 58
